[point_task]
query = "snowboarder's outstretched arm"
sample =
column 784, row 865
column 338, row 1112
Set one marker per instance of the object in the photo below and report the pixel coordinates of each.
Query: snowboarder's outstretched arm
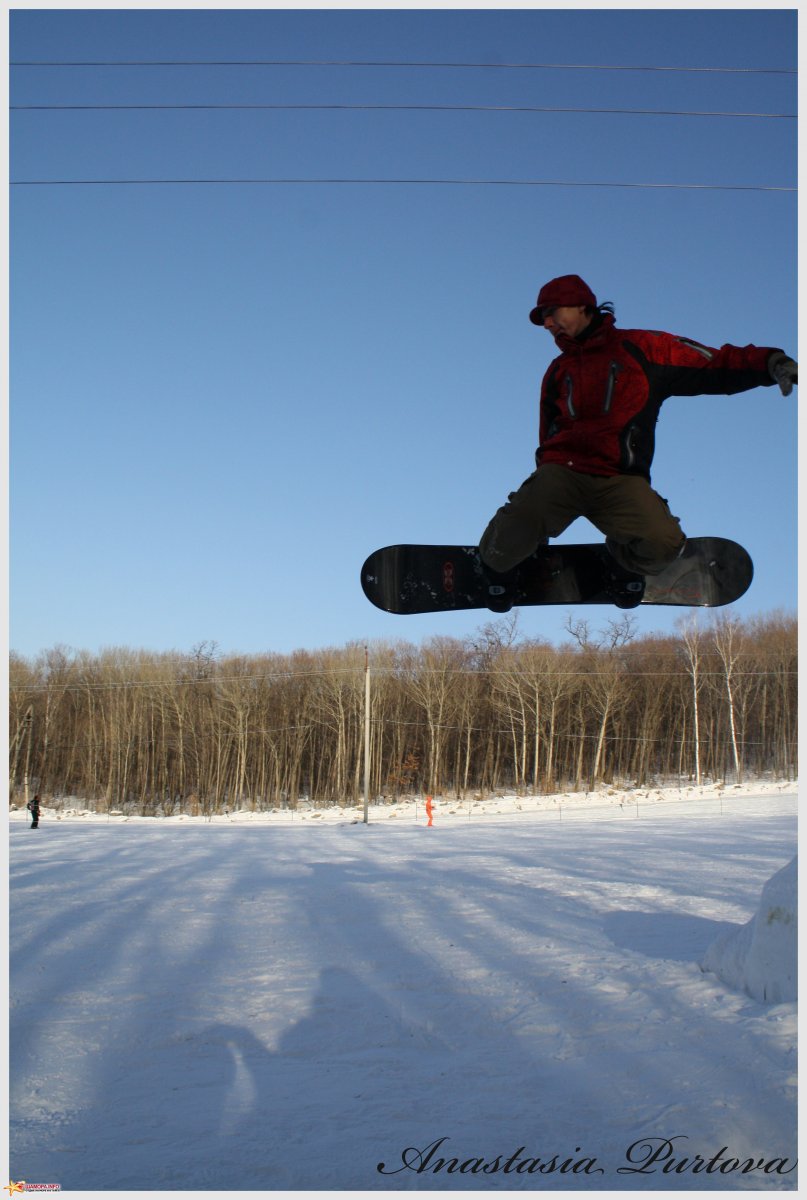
column 680, row 366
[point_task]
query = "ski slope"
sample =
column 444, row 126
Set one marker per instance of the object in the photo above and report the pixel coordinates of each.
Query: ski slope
column 510, row 1000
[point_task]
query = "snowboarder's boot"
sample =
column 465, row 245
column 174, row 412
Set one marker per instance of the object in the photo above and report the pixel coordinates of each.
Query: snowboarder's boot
column 501, row 589
column 625, row 588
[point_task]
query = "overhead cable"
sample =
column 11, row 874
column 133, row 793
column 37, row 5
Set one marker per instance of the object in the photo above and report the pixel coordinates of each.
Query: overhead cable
column 497, row 108
column 388, row 63
column 567, row 183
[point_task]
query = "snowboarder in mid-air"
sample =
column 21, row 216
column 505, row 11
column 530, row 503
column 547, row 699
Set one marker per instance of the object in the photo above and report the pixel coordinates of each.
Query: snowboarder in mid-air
column 600, row 400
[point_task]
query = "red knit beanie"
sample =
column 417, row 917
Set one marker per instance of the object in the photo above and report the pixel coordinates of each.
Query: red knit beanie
column 565, row 291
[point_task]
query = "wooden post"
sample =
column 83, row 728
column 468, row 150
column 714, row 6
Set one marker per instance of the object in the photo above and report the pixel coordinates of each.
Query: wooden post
column 366, row 735
column 28, row 729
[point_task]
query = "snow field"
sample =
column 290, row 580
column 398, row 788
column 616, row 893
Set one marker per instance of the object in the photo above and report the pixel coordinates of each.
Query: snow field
column 269, row 1007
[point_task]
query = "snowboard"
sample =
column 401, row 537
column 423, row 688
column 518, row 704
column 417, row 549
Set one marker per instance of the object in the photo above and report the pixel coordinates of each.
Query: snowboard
column 710, row 572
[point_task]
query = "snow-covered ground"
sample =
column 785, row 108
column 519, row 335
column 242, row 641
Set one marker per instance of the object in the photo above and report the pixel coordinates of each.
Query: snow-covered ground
column 709, row 798
column 511, row 1000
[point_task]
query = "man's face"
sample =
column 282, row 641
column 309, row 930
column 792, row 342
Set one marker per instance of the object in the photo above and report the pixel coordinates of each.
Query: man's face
column 570, row 320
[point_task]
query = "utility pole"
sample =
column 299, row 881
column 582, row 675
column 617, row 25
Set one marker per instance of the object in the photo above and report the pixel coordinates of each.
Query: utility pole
column 366, row 735
column 28, row 727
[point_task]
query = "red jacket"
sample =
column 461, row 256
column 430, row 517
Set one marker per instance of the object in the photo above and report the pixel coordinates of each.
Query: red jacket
column 600, row 398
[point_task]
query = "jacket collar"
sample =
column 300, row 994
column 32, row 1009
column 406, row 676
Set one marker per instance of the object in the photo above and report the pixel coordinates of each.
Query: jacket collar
column 593, row 336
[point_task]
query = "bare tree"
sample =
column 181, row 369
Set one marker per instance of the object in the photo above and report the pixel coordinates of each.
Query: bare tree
column 728, row 643
column 692, row 654
column 605, row 673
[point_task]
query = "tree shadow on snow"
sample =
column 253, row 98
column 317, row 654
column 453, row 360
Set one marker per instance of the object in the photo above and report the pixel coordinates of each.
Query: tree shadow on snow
column 676, row 937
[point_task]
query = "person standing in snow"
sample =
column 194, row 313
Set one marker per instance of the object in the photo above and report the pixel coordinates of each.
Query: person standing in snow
column 33, row 808
column 600, row 401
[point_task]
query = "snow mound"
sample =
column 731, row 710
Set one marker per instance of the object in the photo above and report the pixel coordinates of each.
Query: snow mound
column 760, row 958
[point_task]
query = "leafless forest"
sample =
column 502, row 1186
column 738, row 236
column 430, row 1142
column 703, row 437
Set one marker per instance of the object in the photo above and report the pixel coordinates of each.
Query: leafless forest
column 202, row 732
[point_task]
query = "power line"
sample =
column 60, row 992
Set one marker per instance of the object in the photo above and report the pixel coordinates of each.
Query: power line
column 559, row 183
column 497, row 108
column 85, row 685
column 393, row 64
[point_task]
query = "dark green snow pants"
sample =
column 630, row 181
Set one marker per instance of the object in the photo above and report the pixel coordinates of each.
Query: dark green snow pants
column 641, row 532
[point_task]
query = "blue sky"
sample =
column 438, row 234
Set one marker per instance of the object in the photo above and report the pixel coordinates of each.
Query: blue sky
column 223, row 397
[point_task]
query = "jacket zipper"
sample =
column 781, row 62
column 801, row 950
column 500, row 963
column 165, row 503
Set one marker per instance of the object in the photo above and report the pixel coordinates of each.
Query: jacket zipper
column 609, row 391
column 704, row 350
column 570, row 396
column 630, row 451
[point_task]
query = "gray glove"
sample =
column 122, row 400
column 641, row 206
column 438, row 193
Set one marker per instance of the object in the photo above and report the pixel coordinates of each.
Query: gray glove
column 784, row 371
